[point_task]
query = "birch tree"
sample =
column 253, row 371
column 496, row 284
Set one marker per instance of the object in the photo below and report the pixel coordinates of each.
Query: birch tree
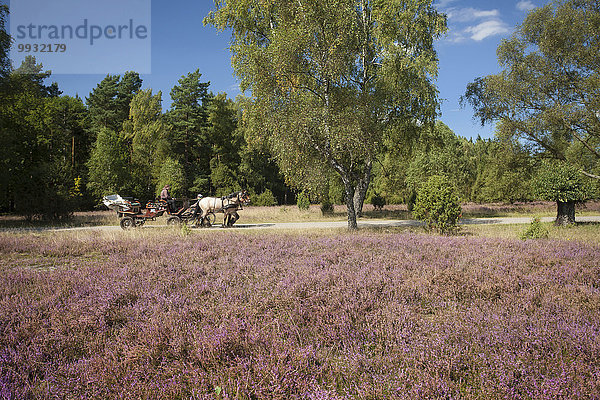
column 328, row 76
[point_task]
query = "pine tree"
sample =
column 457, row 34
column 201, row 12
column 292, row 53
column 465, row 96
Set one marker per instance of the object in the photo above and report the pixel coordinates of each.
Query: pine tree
column 108, row 103
column 188, row 122
column 129, row 85
column 101, row 105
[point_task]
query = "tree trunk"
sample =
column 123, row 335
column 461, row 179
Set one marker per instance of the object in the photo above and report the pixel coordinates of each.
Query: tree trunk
column 349, row 196
column 565, row 213
column 359, row 200
column 361, row 190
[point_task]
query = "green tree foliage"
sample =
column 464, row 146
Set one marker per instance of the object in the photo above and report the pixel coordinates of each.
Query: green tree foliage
column 377, row 201
column 438, row 205
column 303, row 201
column 101, row 105
column 66, row 134
column 493, row 170
column 109, row 166
column 548, row 92
column 328, row 76
column 560, row 182
column 266, row 198
column 19, row 151
column 68, row 143
column 31, row 77
column 129, row 85
column 410, row 158
column 39, row 163
column 120, row 158
column 4, row 45
column 224, row 178
column 109, row 102
column 326, row 206
column 145, row 132
column 151, row 148
column 172, row 173
column 226, row 144
column 258, row 170
column 54, row 148
column 393, row 161
column 224, row 137
column 440, row 152
column 188, row 125
column 504, row 172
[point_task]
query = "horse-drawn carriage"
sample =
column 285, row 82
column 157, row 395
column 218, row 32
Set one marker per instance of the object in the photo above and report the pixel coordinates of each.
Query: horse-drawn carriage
column 130, row 212
column 201, row 213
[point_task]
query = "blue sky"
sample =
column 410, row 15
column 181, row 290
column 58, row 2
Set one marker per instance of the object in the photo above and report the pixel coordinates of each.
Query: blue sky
column 468, row 51
column 67, row 42
column 180, row 44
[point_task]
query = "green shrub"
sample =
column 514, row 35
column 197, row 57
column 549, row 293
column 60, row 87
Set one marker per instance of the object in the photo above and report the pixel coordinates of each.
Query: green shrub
column 437, row 205
column 377, row 201
column 326, row 206
column 266, row 198
column 303, row 201
column 185, row 230
column 535, row 230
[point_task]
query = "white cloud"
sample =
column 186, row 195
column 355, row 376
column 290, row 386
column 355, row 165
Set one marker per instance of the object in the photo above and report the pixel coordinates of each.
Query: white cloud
column 470, row 14
column 443, row 3
column 525, row 5
column 456, row 37
column 469, row 23
column 487, row 29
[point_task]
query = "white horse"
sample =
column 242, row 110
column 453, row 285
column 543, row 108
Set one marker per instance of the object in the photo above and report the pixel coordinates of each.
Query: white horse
column 227, row 205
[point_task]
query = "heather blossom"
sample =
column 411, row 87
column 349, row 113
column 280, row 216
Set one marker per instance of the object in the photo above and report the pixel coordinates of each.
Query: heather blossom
column 320, row 316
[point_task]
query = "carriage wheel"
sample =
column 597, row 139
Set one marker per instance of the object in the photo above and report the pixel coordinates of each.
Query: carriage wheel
column 209, row 220
column 173, row 221
column 127, row 223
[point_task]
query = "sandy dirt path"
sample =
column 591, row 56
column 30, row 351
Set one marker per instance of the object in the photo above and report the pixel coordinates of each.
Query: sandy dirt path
column 343, row 224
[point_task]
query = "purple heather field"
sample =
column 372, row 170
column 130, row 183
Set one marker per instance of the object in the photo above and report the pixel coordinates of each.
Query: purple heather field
column 222, row 315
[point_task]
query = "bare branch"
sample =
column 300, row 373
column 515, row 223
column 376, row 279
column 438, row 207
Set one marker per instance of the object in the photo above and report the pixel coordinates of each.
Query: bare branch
column 586, row 144
column 590, row 175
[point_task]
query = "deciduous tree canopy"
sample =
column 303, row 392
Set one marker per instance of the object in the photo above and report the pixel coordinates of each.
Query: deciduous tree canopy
column 328, row 76
column 548, row 91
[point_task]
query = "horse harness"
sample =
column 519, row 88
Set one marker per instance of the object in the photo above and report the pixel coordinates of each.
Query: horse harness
column 238, row 205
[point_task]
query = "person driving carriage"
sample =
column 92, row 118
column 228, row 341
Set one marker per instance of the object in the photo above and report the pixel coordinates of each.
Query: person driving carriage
column 166, row 196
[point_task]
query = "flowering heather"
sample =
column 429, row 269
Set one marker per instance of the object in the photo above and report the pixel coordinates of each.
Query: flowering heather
column 221, row 315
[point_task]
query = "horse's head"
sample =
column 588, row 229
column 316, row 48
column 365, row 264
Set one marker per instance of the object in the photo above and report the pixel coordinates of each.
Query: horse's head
column 244, row 197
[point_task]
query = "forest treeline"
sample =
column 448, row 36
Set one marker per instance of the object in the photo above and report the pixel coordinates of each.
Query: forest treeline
column 63, row 153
